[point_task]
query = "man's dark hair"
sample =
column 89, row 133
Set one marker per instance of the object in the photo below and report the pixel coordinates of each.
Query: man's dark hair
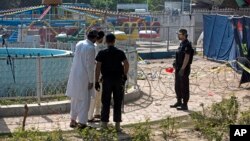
column 184, row 32
column 92, row 34
column 100, row 35
column 110, row 38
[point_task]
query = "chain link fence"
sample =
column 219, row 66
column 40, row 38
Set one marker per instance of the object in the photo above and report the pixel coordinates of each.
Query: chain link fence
column 156, row 33
column 34, row 76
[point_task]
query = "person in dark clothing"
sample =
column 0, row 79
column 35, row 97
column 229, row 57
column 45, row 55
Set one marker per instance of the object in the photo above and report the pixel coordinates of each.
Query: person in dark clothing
column 245, row 77
column 113, row 65
column 182, row 65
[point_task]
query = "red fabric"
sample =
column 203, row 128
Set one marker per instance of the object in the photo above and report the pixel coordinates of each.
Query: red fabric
column 169, row 70
column 248, row 1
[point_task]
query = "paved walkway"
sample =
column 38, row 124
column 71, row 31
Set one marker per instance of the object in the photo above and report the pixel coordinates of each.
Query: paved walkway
column 153, row 106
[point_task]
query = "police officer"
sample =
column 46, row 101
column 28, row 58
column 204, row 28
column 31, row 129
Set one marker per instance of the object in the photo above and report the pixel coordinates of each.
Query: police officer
column 182, row 64
column 114, row 66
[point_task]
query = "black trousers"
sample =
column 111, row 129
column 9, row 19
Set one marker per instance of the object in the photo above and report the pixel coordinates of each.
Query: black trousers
column 182, row 85
column 116, row 87
column 245, row 77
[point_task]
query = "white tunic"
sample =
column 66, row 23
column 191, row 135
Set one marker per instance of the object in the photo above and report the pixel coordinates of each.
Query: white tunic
column 82, row 71
column 99, row 47
column 95, row 103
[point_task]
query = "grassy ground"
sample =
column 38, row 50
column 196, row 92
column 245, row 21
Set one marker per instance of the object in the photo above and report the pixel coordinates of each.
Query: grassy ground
column 206, row 125
column 179, row 129
column 31, row 100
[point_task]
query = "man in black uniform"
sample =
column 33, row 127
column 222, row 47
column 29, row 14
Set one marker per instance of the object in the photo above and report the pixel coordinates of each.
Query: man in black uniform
column 114, row 66
column 182, row 64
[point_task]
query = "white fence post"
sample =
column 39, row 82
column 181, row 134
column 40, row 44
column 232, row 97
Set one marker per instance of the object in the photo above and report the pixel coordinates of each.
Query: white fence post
column 39, row 84
column 168, row 39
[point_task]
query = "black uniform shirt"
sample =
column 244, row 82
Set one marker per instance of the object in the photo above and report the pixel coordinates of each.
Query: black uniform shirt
column 185, row 48
column 111, row 60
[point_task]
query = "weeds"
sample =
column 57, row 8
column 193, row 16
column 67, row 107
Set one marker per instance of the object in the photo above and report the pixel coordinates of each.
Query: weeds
column 245, row 118
column 214, row 123
column 90, row 134
column 35, row 135
column 142, row 132
column 168, row 128
column 26, row 135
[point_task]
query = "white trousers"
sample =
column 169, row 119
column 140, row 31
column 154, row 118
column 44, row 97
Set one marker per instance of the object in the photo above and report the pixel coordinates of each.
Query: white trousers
column 79, row 109
column 95, row 105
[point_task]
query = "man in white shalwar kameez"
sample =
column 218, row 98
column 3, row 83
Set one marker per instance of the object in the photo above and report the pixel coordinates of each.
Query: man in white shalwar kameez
column 95, row 103
column 81, row 78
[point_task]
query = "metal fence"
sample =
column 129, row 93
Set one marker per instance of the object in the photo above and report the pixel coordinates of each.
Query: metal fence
column 224, row 11
column 43, row 31
column 161, row 37
column 34, row 76
column 29, row 76
column 47, row 76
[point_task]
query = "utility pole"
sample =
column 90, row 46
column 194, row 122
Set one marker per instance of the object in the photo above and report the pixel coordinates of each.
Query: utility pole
column 106, row 5
column 183, row 4
column 147, row 5
column 190, row 4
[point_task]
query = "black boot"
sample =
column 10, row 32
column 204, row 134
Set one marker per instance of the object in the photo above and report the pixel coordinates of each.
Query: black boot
column 177, row 104
column 183, row 107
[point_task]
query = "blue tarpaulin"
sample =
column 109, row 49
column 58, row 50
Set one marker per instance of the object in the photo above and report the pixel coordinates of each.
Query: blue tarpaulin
column 218, row 37
column 226, row 38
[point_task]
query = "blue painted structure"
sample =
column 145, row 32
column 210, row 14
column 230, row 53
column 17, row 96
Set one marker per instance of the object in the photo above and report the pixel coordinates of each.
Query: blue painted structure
column 55, row 67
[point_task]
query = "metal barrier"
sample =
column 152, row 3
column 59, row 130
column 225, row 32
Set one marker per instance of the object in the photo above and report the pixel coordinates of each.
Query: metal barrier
column 32, row 76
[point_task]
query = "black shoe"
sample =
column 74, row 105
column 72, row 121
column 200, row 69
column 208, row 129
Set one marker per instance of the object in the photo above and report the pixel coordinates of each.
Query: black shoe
column 73, row 124
column 91, row 120
column 177, row 104
column 94, row 120
column 183, row 107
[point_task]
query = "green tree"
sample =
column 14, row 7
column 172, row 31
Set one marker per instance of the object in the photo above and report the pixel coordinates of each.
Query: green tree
column 104, row 4
column 132, row 1
column 156, row 5
column 8, row 4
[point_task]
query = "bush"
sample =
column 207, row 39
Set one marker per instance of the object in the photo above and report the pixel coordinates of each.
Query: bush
column 90, row 134
column 214, row 124
column 55, row 136
column 168, row 128
column 35, row 135
column 26, row 135
column 142, row 132
column 245, row 118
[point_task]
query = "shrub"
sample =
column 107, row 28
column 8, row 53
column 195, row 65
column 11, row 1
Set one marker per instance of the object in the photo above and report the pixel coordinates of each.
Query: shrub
column 168, row 128
column 214, row 123
column 142, row 132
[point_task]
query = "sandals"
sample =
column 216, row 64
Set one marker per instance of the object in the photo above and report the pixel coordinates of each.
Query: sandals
column 93, row 120
column 83, row 126
column 73, row 124
column 97, row 116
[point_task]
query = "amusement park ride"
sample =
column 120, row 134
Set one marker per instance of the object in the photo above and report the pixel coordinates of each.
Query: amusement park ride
column 54, row 21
